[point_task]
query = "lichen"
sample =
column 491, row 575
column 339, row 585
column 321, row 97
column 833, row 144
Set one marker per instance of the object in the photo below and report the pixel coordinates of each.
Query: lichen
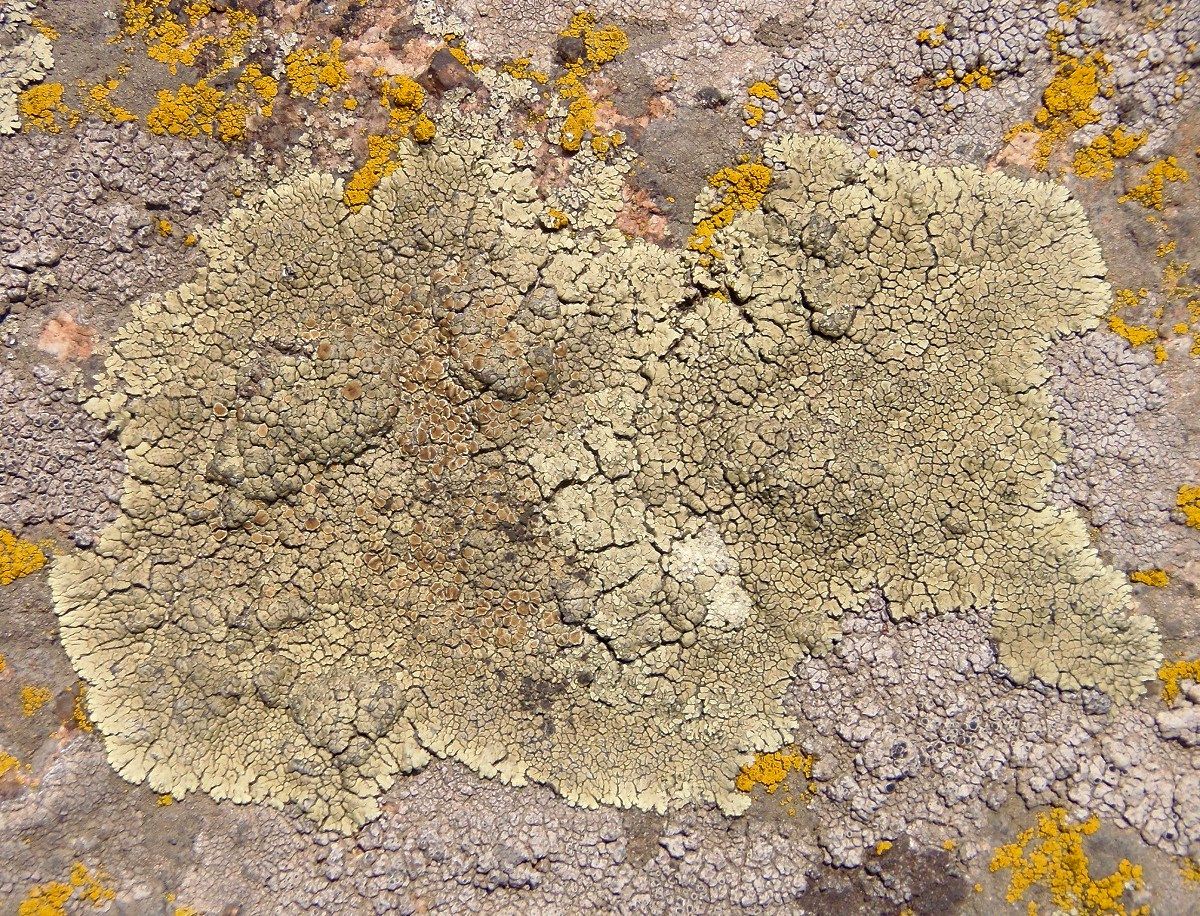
column 1098, row 160
column 1188, row 500
column 601, row 44
column 1155, row 578
column 18, row 557
column 311, row 71
column 83, row 886
column 1171, row 673
column 42, row 108
column 429, row 476
column 1051, row 856
column 1150, row 191
column 1067, row 103
column 770, row 770
column 96, row 100
column 33, row 698
column 404, row 100
column 738, row 188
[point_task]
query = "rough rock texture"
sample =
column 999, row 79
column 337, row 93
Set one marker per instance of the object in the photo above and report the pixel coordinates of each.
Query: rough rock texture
column 917, row 729
column 80, row 217
column 441, row 476
column 56, row 465
column 1123, row 450
column 446, row 842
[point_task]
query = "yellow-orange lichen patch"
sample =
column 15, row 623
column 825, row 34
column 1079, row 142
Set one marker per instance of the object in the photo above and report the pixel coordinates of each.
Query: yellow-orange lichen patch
column 1136, row 334
column 33, row 698
column 981, row 77
column 1171, row 673
column 202, row 109
column 79, row 711
column 1097, row 160
column 754, row 109
column 1066, row 103
column 742, row 187
column 932, row 37
column 601, row 44
column 404, row 100
column 1149, row 192
column 312, row 72
column 770, row 770
column 96, row 100
column 1188, row 500
column 522, row 69
column 1051, row 856
column 1156, row 578
column 83, row 886
column 18, row 557
column 42, row 108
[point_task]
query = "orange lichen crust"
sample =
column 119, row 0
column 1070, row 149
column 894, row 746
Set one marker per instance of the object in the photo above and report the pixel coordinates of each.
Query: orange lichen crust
column 404, row 100
column 1188, row 501
column 203, row 109
column 1149, row 192
column 1136, row 334
column 84, row 886
column 1066, row 103
column 1156, row 578
column 311, row 71
column 1171, row 673
column 1051, row 856
column 754, row 110
column 741, row 187
column 96, row 100
column 34, row 698
column 42, row 108
column 601, row 44
column 18, row 557
column 1097, row 160
column 770, row 770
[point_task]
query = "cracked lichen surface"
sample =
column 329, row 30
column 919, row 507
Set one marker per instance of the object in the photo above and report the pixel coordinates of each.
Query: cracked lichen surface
column 430, row 477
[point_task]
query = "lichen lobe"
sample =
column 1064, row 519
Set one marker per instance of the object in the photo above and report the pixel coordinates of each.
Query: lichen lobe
column 428, row 477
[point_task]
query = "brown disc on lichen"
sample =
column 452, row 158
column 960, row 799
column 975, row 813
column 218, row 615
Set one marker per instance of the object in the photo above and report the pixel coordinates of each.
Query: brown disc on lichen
column 567, row 507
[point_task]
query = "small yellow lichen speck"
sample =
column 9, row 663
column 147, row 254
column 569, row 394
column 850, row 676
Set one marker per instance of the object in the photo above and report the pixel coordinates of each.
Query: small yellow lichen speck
column 1051, row 856
column 33, row 698
column 882, row 847
column 164, row 800
column 1149, row 192
column 1171, row 673
column 18, row 557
